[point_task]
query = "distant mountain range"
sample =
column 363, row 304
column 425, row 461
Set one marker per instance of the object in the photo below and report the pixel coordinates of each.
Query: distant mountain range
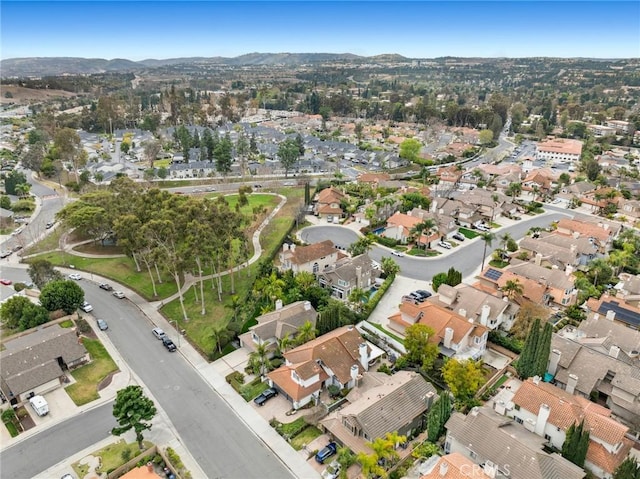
column 47, row 66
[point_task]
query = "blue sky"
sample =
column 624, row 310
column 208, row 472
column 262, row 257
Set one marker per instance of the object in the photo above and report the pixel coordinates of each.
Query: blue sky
column 416, row 29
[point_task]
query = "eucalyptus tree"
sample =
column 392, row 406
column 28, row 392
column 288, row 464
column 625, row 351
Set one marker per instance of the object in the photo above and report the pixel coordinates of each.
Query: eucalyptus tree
column 168, row 249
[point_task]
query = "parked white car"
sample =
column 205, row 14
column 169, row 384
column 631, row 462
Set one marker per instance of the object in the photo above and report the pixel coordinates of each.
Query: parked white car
column 86, row 307
column 444, row 244
column 75, row 276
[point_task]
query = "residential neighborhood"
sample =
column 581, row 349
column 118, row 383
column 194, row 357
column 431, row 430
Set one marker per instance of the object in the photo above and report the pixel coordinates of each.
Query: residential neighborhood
column 335, row 267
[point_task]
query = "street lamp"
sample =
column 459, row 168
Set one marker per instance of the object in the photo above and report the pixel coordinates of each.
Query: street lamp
column 178, row 330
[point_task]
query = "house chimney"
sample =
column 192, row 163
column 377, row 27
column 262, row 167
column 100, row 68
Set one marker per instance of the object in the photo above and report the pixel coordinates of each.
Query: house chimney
column 448, row 337
column 614, row 351
column 543, row 417
column 554, row 360
column 358, row 276
column 354, row 371
column 572, row 382
column 307, row 306
column 611, row 315
column 484, row 315
column 535, row 380
column 574, row 248
column 364, row 356
column 462, row 312
column 292, row 247
column 538, row 259
column 278, row 304
column 568, row 270
column 443, row 467
column 428, row 399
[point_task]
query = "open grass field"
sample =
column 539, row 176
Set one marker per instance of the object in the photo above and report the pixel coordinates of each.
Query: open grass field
column 89, row 376
column 199, row 327
column 120, row 270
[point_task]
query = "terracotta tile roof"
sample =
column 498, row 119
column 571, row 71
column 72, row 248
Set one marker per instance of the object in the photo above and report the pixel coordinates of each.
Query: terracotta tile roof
column 438, row 319
column 305, row 254
column 531, row 290
column 561, row 145
column 456, row 466
column 338, row 350
column 329, row 210
column 373, row 177
column 584, row 229
column 598, row 455
column 567, row 409
column 330, row 195
column 282, row 378
column 401, row 219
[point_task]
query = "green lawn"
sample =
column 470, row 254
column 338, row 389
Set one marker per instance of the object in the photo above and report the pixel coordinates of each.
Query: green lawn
column 468, row 233
column 121, row 270
column 498, row 264
column 89, row 376
column 199, row 327
column 13, row 430
column 111, row 456
column 255, row 200
column 48, row 243
column 387, row 332
column 503, row 379
column 305, row 437
column 251, row 390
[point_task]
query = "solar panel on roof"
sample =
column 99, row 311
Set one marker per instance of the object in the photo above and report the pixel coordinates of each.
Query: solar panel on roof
column 493, row 274
column 622, row 314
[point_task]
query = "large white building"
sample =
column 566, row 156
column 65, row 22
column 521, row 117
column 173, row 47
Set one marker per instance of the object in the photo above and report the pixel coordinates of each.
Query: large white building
column 559, row 150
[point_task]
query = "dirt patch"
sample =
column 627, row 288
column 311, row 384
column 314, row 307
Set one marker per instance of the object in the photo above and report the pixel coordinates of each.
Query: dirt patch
column 97, row 248
column 25, row 419
column 106, row 381
column 20, row 95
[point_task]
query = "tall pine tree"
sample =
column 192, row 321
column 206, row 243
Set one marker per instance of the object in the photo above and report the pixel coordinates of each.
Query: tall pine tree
column 629, row 469
column 576, row 443
column 438, row 416
column 543, row 350
column 527, row 361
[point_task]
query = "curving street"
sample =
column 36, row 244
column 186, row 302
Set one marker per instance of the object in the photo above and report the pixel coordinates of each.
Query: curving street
column 466, row 258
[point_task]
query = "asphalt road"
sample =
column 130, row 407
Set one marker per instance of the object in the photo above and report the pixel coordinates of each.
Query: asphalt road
column 216, row 438
column 465, row 258
column 47, row 448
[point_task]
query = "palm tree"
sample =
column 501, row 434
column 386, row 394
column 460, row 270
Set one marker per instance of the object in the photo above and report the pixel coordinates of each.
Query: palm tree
column 357, row 297
column 219, row 335
column 259, row 360
column 389, row 266
column 305, row 333
column 234, row 305
column 369, row 464
column 22, row 189
column 505, row 238
column 271, row 287
column 283, row 344
column 514, row 190
column 488, row 239
column 512, row 288
column 427, row 226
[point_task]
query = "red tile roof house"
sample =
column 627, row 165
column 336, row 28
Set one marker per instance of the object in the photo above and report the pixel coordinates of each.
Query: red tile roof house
column 336, row 358
column 328, row 203
column 602, row 233
column 549, row 411
column 313, row 258
column 455, row 335
column 400, row 225
column 373, row 179
column 36, row 363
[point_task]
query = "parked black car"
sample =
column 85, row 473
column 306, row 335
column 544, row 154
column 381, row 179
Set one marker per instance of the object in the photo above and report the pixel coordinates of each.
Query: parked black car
column 265, row 396
column 169, row 344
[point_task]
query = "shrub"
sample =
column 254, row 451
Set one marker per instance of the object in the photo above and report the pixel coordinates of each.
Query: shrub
column 125, row 454
column 83, row 326
column 8, row 415
column 512, row 344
